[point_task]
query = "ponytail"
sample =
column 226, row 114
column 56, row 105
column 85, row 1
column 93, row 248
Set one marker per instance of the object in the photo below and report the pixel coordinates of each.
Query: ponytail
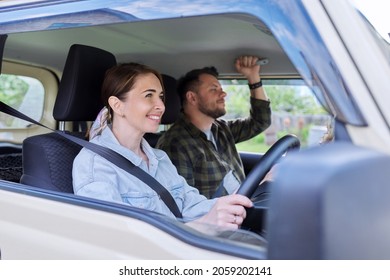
column 101, row 121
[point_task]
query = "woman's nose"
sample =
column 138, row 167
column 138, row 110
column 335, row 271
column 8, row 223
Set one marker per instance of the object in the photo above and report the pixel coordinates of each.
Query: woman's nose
column 159, row 104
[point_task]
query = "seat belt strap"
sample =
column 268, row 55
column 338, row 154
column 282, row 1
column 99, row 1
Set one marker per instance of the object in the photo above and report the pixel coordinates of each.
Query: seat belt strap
column 109, row 155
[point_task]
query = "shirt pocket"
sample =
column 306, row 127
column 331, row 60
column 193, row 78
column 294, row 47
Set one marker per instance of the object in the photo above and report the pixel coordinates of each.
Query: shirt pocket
column 141, row 200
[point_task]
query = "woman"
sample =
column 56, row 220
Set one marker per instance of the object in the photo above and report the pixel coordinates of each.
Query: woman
column 133, row 96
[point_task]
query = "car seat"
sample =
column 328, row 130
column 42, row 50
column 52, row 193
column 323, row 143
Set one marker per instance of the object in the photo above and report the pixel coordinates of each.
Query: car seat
column 48, row 158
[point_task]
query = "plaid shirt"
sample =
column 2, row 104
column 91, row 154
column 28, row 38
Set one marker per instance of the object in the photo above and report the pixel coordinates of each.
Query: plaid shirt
column 197, row 159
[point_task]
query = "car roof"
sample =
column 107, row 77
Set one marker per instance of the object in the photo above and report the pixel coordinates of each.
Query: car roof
column 153, row 43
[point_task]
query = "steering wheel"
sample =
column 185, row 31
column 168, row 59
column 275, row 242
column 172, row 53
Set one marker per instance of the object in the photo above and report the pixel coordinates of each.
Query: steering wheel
column 256, row 216
column 257, row 174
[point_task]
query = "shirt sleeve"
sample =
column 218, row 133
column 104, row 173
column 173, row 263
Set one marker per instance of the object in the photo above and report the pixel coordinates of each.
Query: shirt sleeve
column 192, row 204
column 95, row 181
column 259, row 120
column 195, row 205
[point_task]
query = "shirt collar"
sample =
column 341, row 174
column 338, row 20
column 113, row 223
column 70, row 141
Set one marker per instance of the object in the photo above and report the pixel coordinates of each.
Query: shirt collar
column 192, row 129
column 108, row 139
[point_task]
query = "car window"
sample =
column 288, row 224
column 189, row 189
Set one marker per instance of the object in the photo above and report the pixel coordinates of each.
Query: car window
column 25, row 94
column 30, row 90
column 295, row 110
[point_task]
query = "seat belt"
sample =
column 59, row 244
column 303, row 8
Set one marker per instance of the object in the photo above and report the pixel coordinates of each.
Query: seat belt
column 221, row 191
column 110, row 155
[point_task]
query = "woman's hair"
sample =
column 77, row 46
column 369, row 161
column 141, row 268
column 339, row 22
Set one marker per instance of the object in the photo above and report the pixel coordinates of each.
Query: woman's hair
column 118, row 81
column 328, row 135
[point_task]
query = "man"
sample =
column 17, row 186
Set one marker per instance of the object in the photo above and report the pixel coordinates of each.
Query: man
column 201, row 145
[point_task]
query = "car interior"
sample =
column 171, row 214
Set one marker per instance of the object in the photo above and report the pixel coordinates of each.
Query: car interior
column 83, row 69
column 151, row 43
column 10, row 155
column 332, row 210
column 79, row 89
column 308, row 209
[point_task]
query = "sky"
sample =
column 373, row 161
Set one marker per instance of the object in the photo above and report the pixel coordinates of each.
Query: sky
column 378, row 13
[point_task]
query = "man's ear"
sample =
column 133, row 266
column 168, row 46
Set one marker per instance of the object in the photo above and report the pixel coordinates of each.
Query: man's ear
column 191, row 97
column 115, row 104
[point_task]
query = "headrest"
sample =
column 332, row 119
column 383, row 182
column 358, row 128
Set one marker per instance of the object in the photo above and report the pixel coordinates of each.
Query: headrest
column 172, row 100
column 3, row 37
column 78, row 96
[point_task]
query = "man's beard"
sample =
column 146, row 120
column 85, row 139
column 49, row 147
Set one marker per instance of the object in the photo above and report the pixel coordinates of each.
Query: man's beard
column 213, row 113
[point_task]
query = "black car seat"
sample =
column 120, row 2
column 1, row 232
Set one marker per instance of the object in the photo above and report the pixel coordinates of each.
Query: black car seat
column 48, row 158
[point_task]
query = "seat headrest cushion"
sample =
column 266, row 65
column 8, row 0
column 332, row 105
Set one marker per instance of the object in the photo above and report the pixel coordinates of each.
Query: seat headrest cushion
column 172, row 100
column 80, row 87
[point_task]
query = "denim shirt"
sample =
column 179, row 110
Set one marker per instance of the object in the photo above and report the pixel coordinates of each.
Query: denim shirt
column 94, row 176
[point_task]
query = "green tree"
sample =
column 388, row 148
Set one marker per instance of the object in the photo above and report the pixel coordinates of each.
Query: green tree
column 291, row 99
column 288, row 97
column 237, row 104
column 284, row 98
column 12, row 90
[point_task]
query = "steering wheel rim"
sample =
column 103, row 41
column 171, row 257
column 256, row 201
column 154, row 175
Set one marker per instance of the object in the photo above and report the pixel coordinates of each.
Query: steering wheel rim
column 260, row 170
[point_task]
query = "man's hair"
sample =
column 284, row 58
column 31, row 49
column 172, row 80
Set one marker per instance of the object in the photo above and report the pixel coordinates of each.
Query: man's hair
column 190, row 81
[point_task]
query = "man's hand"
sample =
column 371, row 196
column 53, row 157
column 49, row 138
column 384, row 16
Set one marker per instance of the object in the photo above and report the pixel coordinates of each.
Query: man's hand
column 246, row 65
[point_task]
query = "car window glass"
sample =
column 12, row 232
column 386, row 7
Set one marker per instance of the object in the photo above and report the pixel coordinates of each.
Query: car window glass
column 295, row 110
column 23, row 93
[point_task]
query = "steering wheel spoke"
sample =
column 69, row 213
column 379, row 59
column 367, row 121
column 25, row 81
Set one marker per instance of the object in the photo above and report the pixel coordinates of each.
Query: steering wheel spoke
column 269, row 159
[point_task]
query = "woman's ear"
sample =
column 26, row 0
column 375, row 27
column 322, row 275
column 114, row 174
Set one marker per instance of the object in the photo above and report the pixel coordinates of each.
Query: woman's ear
column 115, row 104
